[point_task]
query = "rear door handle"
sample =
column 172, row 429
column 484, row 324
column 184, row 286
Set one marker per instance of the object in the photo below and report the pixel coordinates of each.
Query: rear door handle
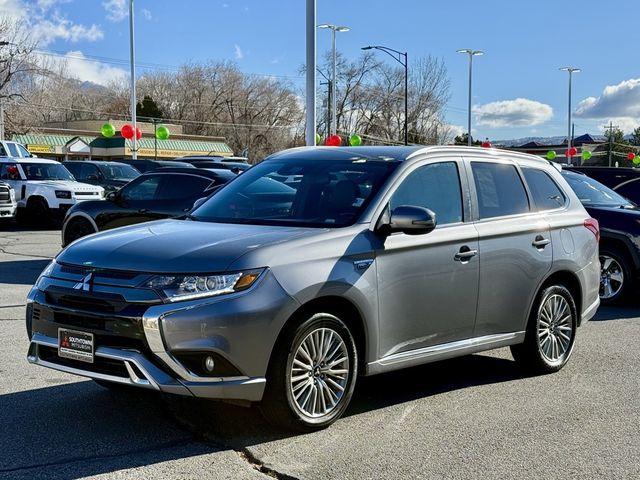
column 541, row 242
column 143, row 210
column 465, row 254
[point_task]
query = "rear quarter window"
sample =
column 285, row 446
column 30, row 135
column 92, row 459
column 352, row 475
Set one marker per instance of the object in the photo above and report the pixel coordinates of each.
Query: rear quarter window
column 546, row 194
column 499, row 190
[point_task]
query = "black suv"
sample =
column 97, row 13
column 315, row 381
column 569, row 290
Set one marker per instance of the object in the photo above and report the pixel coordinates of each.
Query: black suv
column 162, row 193
column 622, row 180
column 145, row 165
column 109, row 175
column 619, row 221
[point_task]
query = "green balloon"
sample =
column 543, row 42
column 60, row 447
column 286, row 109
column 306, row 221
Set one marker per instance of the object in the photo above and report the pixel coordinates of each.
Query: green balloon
column 586, row 154
column 636, row 160
column 162, row 133
column 355, row 140
column 551, row 154
column 318, row 139
column 108, row 130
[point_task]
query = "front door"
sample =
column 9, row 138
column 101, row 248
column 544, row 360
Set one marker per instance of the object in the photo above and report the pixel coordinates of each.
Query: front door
column 428, row 284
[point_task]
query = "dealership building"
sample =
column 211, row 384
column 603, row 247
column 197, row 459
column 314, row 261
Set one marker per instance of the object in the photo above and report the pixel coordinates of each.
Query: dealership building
column 82, row 140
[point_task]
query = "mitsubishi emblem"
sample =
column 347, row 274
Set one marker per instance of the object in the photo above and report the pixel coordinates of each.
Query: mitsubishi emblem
column 85, row 284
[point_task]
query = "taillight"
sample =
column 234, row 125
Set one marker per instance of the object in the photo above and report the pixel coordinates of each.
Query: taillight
column 593, row 225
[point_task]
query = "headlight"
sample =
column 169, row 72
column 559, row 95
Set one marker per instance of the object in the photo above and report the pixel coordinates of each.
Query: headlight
column 63, row 194
column 12, row 194
column 46, row 272
column 186, row 287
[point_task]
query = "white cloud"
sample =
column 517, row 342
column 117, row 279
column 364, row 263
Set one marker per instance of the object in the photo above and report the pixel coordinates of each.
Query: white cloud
column 455, row 130
column 76, row 65
column 116, row 9
column 520, row 112
column 621, row 100
column 626, row 124
column 238, row 52
column 46, row 26
column 146, row 14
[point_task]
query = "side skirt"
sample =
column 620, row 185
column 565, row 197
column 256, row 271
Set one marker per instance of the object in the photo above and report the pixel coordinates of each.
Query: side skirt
column 443, row 352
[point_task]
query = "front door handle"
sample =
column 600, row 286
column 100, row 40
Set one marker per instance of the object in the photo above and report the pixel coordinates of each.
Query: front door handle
column 541, row 242
column 143, row 210
column 465, row 254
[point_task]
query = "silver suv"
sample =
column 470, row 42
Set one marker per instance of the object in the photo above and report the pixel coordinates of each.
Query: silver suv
column 377, row 259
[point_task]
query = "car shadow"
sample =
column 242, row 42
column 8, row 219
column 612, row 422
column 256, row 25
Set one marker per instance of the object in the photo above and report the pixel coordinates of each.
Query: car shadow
column 621, row 312
column 22, row 272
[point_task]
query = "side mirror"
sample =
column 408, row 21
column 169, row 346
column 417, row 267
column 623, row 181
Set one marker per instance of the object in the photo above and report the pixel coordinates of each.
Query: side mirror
column 412, row 220
column 92, row 178
column 112, row 196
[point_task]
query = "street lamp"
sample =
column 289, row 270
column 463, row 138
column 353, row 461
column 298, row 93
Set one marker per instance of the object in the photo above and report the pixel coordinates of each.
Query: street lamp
column 571, row 71
column 471, row 53
column 134, row 140
column 397, row 56
column 334, row 29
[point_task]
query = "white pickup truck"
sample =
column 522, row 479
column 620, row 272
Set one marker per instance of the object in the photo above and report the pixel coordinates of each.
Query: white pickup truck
column 8, row 205
column 44, row 189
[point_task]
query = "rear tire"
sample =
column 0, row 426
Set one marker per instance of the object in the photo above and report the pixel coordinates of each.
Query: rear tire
column 551, row 332
column 312, row 374
column 615, row 275
column 37, row 213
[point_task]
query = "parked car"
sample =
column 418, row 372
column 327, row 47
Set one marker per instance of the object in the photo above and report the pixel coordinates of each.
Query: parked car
column 109, row 175
column 623, row 180
column 14, row 150
column 212, row 158
column 8, row 205
column 44, row 189
column 619, row 221
column 382, row 258
column 162, row 193
column 216, row 162
column 144, row 166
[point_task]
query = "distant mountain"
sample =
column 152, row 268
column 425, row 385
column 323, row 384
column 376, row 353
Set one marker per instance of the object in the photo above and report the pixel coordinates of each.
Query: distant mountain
column 542, row 140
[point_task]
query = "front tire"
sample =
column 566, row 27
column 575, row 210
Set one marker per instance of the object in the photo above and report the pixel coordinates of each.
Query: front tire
column 37, row 213
column 312, row 374
column 77, row 228
column 551, row 332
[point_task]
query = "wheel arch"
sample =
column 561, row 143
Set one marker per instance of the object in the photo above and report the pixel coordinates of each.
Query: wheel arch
column 37, row 198
column 568, row 280
column 622, row 243
column 339, row 306
column 75, row 216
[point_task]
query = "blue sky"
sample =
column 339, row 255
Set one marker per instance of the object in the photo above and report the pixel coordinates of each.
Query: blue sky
column 518, row 90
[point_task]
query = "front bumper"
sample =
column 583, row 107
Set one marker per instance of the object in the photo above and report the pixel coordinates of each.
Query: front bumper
column 8, row 211
column 141, row 345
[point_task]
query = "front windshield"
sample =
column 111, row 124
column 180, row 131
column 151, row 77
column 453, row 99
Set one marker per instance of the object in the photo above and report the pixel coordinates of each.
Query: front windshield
column 46, row 171
column 331, row 193
column 592, row 193
column 125, row 172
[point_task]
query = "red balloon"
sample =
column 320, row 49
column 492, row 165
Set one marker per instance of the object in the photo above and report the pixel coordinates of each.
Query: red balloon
column 333, row 141
column 572, row 152
column 486, row 145
column 127, row 131
column 631, row 156
column 138, row 133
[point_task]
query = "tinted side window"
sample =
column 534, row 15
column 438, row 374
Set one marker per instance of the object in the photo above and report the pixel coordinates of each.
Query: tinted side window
column 500, row 190
column 436, row 187
column 145, row 189
column 13, row 150
column 546, row 194
column 176, row 187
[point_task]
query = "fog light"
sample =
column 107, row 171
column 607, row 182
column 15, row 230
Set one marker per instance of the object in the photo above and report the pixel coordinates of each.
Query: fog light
column 209, row 364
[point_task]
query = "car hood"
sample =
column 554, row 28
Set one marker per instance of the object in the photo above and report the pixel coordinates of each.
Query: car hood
column 175, row 246
column 67, row 185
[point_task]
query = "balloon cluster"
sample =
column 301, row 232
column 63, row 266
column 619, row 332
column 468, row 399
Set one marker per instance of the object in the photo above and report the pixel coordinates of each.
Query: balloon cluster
column 128, row 132
column 336, row 140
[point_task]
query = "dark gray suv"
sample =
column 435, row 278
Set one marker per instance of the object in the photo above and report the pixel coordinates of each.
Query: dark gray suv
column 376, row 259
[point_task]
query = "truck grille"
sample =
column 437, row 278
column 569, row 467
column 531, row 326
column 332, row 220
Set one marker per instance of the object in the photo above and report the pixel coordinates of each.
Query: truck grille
column 5, row 196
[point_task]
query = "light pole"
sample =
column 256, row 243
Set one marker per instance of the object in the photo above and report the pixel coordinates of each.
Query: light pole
column 334, row 29
column 134, row 140
column 571, row 71
column 471, row 53
column 310, row 27
column 397, row 56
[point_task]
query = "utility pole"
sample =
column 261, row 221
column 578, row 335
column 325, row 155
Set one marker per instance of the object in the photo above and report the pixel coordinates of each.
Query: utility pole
column 1, row 118
column 310, row 130
column 610, row 128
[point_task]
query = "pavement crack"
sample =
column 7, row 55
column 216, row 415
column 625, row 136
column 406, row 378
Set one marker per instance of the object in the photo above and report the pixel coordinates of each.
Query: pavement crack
column 2, row 250
column 255, row 463
column 155, row 448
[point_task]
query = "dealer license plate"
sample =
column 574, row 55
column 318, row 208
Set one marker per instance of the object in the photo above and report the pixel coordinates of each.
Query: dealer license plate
column 75, row 345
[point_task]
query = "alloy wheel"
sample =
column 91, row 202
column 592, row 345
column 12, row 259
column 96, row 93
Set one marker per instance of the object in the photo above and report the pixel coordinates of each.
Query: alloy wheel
column 555, row 328
column 611, row 277
column 319, row 373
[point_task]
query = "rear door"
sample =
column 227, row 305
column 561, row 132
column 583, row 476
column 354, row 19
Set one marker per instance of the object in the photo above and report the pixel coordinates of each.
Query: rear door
column 515, row 247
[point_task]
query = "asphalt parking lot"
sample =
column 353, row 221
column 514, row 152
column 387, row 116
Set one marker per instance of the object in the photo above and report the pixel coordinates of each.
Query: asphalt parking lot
column 472, row 417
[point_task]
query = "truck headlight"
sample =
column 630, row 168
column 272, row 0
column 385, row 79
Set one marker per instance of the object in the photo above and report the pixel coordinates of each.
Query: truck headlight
column 63, row 194
column 187, row 287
